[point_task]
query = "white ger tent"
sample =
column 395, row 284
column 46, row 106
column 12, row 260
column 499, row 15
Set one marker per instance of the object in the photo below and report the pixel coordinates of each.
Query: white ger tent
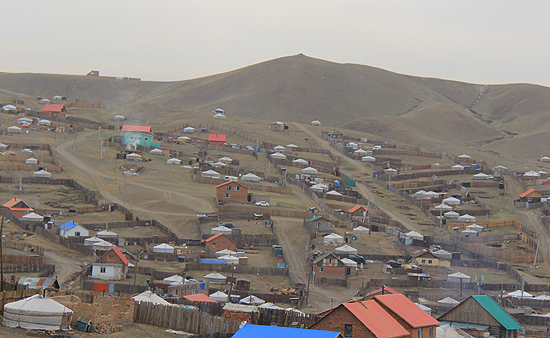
column 469, row 233
column 232, row 260
column 334, row 193
column 315, row 123
column 26, row 150
column 451, row 214
column 44, row 122
column 174, row 279
column 475, row 227
column 226, row 159
column 278, row 156
column 300, row 161
column 188, row 130
column 219, row 297
column 451, row 201
column 368, row 159
column 360, row 152
column 41, row 174
column 31, row 160
column 481, row 176
column 545, row 159
column 32, row 217
column 442, row 254
column 3, row 146
column 457, row 167
column 345, row 250
column 215, row 278
column 414, row 235
column 459, row 276
column 466, row 218
column 37, row 313
column 163, row 248
column 349, row 262
column 150, row 297
column 443, row 207
column 14, row 129
column 333, row 238
column 520, row 294
column 447, row 302
column 219, row 116
column 220, row 230
column 361, row 230
column 279, row 148
column 210, row 173
column 225, row 252
column 464, row 157
column 309, row 171
column 106, row 234
column 252, row 300
column 250, row 177
column 155, row 151
column 173, row 161
column 133, row 157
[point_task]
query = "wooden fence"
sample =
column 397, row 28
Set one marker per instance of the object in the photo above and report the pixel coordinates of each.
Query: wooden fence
column 89, row 196
column 177, row 318
column 515, row 257
column 13, row 296
column 487, row 224
column 388, row 151
column 250, row 210
column 45, row 269
column 244, row 269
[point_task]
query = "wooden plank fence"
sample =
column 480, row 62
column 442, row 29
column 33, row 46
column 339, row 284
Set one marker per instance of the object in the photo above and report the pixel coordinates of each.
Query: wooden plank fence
column 13, row 296
column 251, row 186
column 244, row 269
column 177, row 318
column 250, row 210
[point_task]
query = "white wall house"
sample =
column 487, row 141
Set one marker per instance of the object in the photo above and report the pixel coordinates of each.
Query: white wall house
column 107, row 271
column 71, row 229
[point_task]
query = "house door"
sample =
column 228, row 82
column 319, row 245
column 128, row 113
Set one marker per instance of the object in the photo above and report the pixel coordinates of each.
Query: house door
column 348, row 271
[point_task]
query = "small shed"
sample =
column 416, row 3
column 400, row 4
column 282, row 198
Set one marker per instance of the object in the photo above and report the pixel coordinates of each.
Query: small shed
column 215, row 278
column 41, row 174
column 151, row 297
column 459, row 276
column 345, row 250
column 333, row 238
column 163, row 248
column 466, row 218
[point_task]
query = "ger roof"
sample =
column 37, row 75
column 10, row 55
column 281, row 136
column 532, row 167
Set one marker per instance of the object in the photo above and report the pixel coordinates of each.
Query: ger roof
column 497, row 312
column 52, row 107
column 407, row 310
column 264, row 331
column 217, row 137
column 378, row 321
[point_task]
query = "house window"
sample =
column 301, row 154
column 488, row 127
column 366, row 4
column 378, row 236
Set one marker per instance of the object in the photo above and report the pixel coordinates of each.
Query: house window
column 176, row 292
column 195, row 292
column 431, row 332
column 419, row 333
column 226, row 195
column 228, row 188
column 131, row 137
column 237, row 188
column 321, row 269
column 77, row 233
column 103, row 270
column 214, row 245
column 429, row 261
column 348, row 330
column 146, row 139
column 110, row 258
column 330, row 261
column 317, row 225
column 423, row 261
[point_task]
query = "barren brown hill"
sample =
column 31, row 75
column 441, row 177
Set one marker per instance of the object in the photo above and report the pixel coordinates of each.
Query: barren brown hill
column 432, row 113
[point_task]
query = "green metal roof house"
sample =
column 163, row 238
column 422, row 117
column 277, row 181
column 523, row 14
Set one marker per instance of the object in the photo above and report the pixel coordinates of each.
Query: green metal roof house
column 481, row 313
column 318, row 224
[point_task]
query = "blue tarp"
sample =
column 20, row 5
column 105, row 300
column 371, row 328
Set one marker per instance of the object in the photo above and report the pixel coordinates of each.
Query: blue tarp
column 213, row 261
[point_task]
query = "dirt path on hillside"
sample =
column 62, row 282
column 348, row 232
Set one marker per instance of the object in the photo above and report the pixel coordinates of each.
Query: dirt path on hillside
column 64, row 266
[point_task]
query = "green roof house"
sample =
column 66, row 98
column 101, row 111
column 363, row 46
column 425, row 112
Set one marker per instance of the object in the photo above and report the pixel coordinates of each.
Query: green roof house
column 318, row 224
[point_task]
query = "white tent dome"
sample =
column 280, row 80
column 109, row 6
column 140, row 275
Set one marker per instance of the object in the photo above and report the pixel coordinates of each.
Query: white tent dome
column 219, row 296
column 226, row 159
column 215, row 278
column 279, row 148
column 503, row 167
column 447, row 302
column 451, row 201
column 443, row 207
column 360, row 151
column 220, row 230
column 225, row 252
column 219, row 116
column 361, row 230
column 309, row 171
column 31, row 160
column 334, row 193
column 188, row 130
column 150, row 297
column 469, row 233
column 133, row 157
column 44, row 122
column 41, row 174
column 345, row 250
column 466, row 218
column 155, row 151
column 9, row 107
column 210, row 173
column 119, row 118
column 521, row 295
column 230, row 259
column 315, row 123
column 349, row 262
column 300, row 161
column 163, row 248
column 414, row 235
column 481, row 176
column 252, row 300
column 475, row 227
column 250, row 177
column 278, row 156
column 317, row 188
column 458, row 276
column 451, row 214
column 219, row 164
column 106, row 234
column 14, row 129
column 173, row 161
column 531, row 173
column 442, row 254
column 32, row 217
column 464, row 156
column 333, row 238
column 37, row 313
column 545, row 159
column 3, row 146
column 174, row 279
column 457, row 167
column 292, row 145
column 26, row 150
column 368, row 159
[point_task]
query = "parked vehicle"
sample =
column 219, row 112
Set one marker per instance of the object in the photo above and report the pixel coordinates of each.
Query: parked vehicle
column 393, row 264
column 228, row 225
column 357, row 258
column 262, row 204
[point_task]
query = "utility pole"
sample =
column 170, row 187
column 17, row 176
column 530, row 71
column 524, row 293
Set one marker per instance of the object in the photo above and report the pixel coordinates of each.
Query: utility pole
column 110, row 168
column 75, row 143
column 231, row 284
column 135, row 271
column 20, row 181
column 100, row 145
column 1, row 253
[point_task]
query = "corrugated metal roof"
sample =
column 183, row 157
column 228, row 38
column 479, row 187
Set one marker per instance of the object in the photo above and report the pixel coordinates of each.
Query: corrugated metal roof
column 378, row 321
column 386, row 290
column 217, row 137
column 407, row 310
column 200, row 298
column 143, row 129
column 263, row 331
column 497, row 312
column 52, row 107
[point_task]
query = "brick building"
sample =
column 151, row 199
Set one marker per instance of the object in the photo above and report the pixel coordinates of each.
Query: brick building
column 329, row 265
column 409, row 315
column 54, row 110
column 366, row 319
column 232, row 191
column 220, row 242
column 17, row 207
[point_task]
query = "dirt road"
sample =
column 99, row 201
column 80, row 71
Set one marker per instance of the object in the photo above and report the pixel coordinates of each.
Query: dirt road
column 64, row 266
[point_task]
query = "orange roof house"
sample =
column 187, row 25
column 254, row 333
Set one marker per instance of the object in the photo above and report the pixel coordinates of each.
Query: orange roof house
column 361, row 319
column 54, row 110
column 408, row 314
column 220, row 242
column 531, row 196
column 140, row 129
column 216, row 139
column 17, row 207
column 358, row 210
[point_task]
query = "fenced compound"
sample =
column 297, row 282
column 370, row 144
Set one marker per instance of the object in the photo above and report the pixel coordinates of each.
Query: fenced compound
column 251, row 186
column 487, row 224
column 177, row 318
column 286, row 318
column 328, row 281
column 250, row 210
column 44, row 269
column 409, row 152
column 244, row 269
column 28, row 167
column 89, row 196
column 23, row 158
column 515, row 257
column 250, row 240
column 489, row 238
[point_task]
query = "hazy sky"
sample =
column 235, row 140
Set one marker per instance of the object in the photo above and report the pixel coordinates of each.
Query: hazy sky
column 490, row 41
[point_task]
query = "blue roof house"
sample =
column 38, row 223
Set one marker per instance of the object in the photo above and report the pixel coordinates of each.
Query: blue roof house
column 255, row 331
column 72, row 229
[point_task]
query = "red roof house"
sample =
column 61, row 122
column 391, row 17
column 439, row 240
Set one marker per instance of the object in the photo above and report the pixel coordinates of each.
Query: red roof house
column 408, row 314
column 358, row 210
column 530, row 196
column 17, row 207
column 140, row 129
column 112, row 265
column 54, row 110
column 220, row 242
column 216, row 139
column 361, row 319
